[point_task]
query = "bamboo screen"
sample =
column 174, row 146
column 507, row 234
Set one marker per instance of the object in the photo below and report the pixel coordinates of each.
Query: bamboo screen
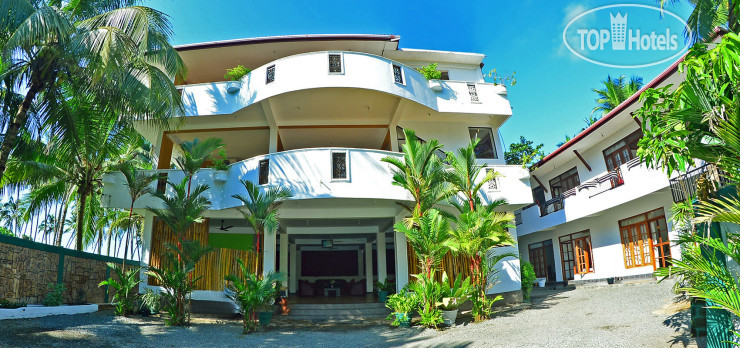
column 451, row 264
column 213, row 267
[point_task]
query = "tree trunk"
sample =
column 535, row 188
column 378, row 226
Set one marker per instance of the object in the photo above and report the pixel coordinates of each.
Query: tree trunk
column 18, row 122
column 62, row 219
column 82, row 201
column 110, row 235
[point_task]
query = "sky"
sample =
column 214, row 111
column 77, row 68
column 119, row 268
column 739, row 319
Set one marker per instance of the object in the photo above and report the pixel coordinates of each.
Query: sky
column 552, row 95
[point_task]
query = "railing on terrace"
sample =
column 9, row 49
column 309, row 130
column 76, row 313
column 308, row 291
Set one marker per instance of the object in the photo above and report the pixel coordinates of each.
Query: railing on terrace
column 685, row 186
column 603, row 183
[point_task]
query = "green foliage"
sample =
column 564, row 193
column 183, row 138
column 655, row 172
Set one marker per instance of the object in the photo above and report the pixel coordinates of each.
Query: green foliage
column 181, row 208
column 454, row 294
column 708, row 15
column 430, row 72
column 126, row 286
column 55, row 296
column 386, row 286
column 403, row 302
column 221, row 162
column 251, row 292
column 507, row 79
column 151, row 301
column 7, row 304
column 524, row 153
column 6, row 232
column 195, row 153
column 463, row 175
column 528, row 278
column 430, row 293
column 428, row 239
column 236, row 73
column 614, row 92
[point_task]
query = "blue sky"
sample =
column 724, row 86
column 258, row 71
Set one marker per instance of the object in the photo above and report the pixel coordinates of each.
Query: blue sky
column 553, row 93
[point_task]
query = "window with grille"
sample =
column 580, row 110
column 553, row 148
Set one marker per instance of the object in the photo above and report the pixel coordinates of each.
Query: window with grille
column 339, row 165
column 335, row 63
column 576, row 254
column 643, row 237
column 473, row 93
column 397, row 74
column 264, row 172
column 486, row 147
column 445, row 75
column 493, row 184
column 270, row 74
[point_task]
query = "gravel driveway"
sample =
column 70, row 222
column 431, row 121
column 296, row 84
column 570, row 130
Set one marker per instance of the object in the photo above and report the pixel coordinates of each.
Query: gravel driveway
column 625, row 315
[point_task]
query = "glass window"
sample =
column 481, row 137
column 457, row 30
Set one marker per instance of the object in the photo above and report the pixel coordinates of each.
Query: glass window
column 622, row 151
column 339, row 165
column 562, row 184
column 264, row 172
column 445, row 75
column 485, row 148
column 645, row 239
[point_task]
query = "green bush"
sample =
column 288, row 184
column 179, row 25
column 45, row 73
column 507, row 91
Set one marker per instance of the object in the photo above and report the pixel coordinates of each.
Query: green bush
column 402, row 302
column 236, row 73
column 252, row 292
column 7, row 304
column 430, row 72
column 528, row 278
column 54, row 297
column 221, row 162
column 151, row 301
column 126, row 286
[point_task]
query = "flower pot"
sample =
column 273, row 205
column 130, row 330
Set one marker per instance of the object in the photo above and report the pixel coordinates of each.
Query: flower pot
column 233, row 86
column 220, row 176
column 448, row 317
column 382, row 296
column 404, row 319
column 541, row 282
column 610, row 280
column 264, row 318
column 435, row 85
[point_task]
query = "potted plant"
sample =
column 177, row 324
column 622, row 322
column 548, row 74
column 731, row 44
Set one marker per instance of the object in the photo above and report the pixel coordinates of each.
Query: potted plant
column 454, row 294
column 402, row 306
column 253, row 294
column 221, row 165
column 384, row 288
column 432, row 75
column 234, row 76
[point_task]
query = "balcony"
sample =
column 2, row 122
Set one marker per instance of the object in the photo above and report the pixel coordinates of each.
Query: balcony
column 609, row 189
column 309, row 173
column 685, row 186
column 304, row 72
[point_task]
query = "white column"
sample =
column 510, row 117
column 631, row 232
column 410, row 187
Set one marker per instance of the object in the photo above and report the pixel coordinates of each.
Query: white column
column 146, row 248
column 402, row 263
column 273, row 146
column 269, row 253
column 369, row 267
column 382, row 271
column 292, row 274
column 284, row 254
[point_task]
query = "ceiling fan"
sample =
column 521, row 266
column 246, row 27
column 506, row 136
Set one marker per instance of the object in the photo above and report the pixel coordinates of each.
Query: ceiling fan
column 222, row 228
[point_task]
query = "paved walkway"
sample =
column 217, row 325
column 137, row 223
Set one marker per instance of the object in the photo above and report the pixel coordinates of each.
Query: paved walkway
column 625, row 315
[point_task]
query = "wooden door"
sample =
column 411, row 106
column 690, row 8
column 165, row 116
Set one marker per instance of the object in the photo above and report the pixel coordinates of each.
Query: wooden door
column 582, row 248
column 568, row 259
column 537, row 258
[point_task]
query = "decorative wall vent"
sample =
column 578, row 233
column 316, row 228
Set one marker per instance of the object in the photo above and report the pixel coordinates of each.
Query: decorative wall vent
column 493, row 184
column 339, row 165
column 264, row 172
column 397, row 74
column 473, row 93
column 270, row 74
column 335, row 63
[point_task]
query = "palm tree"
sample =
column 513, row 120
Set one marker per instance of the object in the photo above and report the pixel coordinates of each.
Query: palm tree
column 707, row 15
column 138, row 186
column 429, row 239
column 181, row 210
column 615, row 91
column 476, row 234
column 116, row 53
column 250, row 291
column 195, row 153
column 462, row 175
column 261, row 210
column 421, row 173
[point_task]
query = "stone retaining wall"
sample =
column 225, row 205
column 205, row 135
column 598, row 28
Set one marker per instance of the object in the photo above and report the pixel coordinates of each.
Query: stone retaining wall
column 27, row 268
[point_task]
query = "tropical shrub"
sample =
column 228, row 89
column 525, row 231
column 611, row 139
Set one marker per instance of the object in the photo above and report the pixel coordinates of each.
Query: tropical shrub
column 430, row 293
column 454, row 294
column 430, row 72
column 221, row 162
column 388, row 286
column 402, row 304
column 236, row 73
column 428, row 239
column 55, row 295
column 7, row 304
column 251, row 292
column 151, row 301
column 126, row 287
column 528, row 278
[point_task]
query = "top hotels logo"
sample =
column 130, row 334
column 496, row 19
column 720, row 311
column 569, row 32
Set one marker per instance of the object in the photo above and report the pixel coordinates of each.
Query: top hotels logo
column 631, row 36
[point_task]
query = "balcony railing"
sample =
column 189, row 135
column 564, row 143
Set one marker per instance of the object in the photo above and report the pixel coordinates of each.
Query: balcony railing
column 603, row 183
column 685, row 186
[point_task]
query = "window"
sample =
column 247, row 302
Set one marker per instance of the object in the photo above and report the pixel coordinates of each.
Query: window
column 335, row 63
column 493, row 184
column 270, row 74
column 541, row 256
column 397, row 74
column 339, row 165
column 485, row 148
column 563, row 183
column 576, row 255
column 264, row 172
column 473, row 93
column 445, row 75
column 518, row 218
column 645, row 239
column 622, row 151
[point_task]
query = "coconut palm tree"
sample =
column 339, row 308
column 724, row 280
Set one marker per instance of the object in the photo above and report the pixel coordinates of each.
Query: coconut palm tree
column 138, row 185
column 421, row 173
column 114, row 52
column 462, row 175
column 261, row 210
column 429, row 239
column 615, row 91
column 707, row 15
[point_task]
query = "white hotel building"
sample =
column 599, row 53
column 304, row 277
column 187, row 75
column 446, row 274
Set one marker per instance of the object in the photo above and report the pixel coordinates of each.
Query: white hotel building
column 317, row 114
